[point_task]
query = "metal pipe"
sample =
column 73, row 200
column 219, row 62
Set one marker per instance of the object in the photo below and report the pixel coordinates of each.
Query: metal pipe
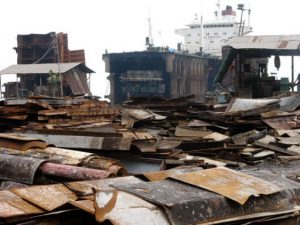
column 59, row 69
column 293, row 78
column 73, row 172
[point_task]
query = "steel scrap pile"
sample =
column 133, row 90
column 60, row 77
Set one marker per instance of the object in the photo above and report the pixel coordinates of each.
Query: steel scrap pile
column 178, row 196
column 187, row 162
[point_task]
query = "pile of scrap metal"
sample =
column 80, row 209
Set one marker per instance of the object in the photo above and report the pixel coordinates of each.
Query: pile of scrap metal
column 27, row 161
column 51, row 113
column 158, row 137
column 173, row 197
column 192, row 145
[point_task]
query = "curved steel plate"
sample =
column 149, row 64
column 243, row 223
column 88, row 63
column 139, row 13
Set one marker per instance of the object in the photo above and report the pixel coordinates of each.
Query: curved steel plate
column 18, row 168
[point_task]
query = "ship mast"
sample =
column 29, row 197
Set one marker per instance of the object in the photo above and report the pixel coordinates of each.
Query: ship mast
column 201, row 32
column 149, row 39
column 218, row 10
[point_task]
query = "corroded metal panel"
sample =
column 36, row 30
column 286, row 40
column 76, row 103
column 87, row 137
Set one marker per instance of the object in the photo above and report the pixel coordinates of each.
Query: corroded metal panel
column 188, row 204
column 18, row 168
column 12, row 205
column 162, row 175
column 86, row 187
column 282, row 123
column 67, row 156
column 239, row 105
column 85, row 142
column 139, row 114
column 77, row 82
column 21, row 142
column 229, row 183
column 85, row 205
column 48, row 197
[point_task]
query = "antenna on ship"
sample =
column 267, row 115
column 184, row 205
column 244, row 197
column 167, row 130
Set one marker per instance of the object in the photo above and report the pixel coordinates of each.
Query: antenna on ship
column 149, row 39
column 249, row 12
column 201, row 31
column 241, row 7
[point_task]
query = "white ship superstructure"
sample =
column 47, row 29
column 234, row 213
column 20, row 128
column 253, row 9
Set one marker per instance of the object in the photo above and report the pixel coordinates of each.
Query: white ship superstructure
column 209, row 37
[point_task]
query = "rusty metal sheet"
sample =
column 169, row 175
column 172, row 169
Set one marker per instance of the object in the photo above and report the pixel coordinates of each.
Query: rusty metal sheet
column 198, row 123
column 155, row 145
column 77, row 82
column 187, row 204
column 7, row 185
column 240, row 104
column 282, row 123
column 136, row 135
column 48, row 197
column 85, row 205
column 272, row 114
column 290, row 103
column 138, row 165
column 249, row 136
column 85, row 142
column 274, row 148
column 145, row 145
column 295, row 149
column 85, row 187
column 7, row 210
column 290, row 133
column 267, row 139
column 289, row 140
column 162, row 175
column 20, row 142
column 232, row 184
column 18, row 168
column 139, row 114
column 191, row 132
column 216, row 137
column 263, row 154
column 208, row 161
column 11, row 205
column 122, row 208
column 67, row 156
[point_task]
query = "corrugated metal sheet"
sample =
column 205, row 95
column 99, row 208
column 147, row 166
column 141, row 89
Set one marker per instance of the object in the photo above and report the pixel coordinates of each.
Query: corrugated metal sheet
column 18, row 168
column 280, row 42
column 77, row 82
column 43, row 68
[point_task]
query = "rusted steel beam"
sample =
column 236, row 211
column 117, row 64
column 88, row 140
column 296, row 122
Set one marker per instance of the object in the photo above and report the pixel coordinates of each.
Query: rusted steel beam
column 85, row 142
column 73, row 172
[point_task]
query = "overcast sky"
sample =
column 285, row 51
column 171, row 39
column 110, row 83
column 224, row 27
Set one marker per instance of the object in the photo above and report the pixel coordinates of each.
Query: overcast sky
column 121, row 25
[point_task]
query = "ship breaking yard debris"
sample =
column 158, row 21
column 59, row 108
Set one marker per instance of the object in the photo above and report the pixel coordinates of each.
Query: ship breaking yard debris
column 149, row 161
